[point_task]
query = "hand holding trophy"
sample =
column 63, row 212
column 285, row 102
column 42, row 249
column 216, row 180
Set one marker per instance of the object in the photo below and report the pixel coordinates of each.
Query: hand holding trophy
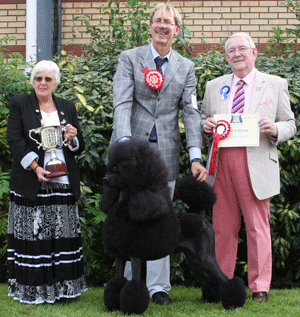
column 51, row 139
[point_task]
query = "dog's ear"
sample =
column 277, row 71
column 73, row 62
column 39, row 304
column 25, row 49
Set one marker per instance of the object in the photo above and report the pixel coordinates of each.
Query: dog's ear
column 147, row 205
column 109, row 196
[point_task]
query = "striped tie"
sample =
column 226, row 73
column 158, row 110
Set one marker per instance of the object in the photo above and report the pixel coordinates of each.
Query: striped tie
column 239, row 98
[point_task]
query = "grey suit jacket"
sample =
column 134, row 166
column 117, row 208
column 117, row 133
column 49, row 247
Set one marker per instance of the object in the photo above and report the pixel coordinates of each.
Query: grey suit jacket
column 137, row 107
column 263, row 161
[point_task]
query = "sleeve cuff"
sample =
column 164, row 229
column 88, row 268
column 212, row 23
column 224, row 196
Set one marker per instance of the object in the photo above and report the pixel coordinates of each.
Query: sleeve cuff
column 28, row 159
column 195, row 153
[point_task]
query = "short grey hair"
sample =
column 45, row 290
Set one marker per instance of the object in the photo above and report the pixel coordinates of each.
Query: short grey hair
column 240, row 34
column 163, row 7
column 46, row 66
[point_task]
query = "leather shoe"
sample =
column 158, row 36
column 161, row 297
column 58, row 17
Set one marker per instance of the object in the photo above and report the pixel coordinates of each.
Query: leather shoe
column 260, row 296
column 161, row 298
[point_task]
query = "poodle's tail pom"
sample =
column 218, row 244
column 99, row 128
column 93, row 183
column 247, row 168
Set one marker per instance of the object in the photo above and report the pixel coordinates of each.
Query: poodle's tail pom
column 112, row 293
column 134, row 298
column 233, row 293
column 196, row 194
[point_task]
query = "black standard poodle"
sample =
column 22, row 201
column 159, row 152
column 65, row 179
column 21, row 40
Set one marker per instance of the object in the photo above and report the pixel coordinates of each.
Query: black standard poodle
column 197, row 241
column 142, row 225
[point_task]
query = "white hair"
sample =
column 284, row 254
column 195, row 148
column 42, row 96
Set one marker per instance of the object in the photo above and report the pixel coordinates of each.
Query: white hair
column 240, row 34
column 46, row 66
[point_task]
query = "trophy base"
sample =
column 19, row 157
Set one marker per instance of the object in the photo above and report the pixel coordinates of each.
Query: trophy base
column 56, row 170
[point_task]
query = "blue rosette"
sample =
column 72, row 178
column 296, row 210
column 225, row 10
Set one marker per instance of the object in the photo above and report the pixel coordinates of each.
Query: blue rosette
column 224, row 92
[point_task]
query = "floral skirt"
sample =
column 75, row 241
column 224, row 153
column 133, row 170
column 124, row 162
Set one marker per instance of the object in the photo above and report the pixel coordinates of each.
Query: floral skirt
column 44, row 246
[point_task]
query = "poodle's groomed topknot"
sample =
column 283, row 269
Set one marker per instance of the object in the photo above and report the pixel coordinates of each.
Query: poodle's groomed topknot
column 139, row 162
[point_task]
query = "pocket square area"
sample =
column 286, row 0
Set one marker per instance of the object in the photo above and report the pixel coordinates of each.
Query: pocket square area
column 265, row 101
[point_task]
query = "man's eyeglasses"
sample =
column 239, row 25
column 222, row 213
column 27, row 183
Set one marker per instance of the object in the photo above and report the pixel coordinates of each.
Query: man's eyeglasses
column 241, row 50
column 40, row 78
column 166, row 22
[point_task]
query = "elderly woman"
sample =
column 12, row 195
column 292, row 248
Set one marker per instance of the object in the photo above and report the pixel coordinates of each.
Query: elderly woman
column 44, row 242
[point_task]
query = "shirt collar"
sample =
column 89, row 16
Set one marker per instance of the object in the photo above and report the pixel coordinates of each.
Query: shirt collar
column 155, row 54
column 247, row 79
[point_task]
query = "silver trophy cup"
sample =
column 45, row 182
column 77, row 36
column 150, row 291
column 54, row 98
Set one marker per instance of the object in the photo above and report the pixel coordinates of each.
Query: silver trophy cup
column 51, row 139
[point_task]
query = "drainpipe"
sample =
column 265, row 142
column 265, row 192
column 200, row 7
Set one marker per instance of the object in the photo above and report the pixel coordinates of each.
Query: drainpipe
column 59, row 22
column 44, row 29
column 31, row 33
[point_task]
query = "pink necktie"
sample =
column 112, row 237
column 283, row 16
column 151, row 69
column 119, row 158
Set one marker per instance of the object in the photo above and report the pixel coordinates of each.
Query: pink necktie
column 239, row 98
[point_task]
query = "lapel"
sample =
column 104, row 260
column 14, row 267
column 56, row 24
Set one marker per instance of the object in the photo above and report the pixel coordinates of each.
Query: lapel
column 171, row 70
column 36, row 109
column 258, row 91
column 221, row 105
column 146, row 58
column 61, row 109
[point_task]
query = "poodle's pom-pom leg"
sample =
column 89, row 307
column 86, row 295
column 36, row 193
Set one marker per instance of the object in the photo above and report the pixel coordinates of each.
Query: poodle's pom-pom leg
column 112, row 293
column 210, row 292
column 134, row 298
column 233, row 293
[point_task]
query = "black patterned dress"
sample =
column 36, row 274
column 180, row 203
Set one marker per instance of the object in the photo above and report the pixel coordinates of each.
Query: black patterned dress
column 44, row 246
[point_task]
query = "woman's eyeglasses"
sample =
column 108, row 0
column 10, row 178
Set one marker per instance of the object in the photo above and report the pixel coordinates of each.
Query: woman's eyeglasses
column 40, row 78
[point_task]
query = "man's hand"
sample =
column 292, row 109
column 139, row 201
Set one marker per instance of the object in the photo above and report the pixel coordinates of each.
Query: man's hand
column 196, row 169
column 266, row 125
column 209, row 124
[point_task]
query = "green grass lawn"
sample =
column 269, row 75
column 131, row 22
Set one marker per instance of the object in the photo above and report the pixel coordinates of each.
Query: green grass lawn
column 284, row 303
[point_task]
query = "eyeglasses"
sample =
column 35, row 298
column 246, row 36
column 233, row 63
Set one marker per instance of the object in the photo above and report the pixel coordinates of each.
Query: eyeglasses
column 241, row 50
column 40, row 78
column 167, row 22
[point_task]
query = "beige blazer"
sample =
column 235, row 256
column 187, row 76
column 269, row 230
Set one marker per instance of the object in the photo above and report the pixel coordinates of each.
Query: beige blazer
column 270, row 98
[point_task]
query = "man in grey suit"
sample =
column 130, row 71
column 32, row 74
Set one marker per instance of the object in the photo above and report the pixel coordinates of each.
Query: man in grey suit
column 143, row 110
column 247, row 177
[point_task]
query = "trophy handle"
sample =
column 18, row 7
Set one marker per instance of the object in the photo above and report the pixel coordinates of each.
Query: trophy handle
column 65, row 141
column 36, row 131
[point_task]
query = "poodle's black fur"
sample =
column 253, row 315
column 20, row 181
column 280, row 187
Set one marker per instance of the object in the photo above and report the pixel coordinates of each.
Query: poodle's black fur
column 141, row 222
column 142, row 225
column 197, row 241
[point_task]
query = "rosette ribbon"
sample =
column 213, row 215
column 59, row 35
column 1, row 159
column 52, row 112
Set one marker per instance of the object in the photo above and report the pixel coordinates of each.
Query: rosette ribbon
column 224, row 92
column 220, row 132
column 153, row 78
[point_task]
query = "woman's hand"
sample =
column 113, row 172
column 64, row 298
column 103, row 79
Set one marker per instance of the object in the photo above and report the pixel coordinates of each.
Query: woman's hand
column 70, row 132
column 40, row 173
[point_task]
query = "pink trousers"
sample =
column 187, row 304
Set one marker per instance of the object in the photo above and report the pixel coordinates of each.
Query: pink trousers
column 235, row 197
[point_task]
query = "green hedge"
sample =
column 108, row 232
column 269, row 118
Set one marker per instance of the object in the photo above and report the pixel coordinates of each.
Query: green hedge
column 87, row 80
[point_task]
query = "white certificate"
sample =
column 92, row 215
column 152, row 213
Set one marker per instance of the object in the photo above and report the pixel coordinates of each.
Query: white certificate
column 244, row 129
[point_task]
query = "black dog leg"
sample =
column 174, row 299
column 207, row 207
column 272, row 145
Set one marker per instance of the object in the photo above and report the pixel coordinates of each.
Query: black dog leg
column 198, row 243
column 134, row 297
column 114, row 286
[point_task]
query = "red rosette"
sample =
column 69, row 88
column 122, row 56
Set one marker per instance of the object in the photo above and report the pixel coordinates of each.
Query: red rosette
column 153, row 78
column 220, row 132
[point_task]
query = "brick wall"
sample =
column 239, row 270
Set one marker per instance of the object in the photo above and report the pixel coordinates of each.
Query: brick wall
column 209, row 21
column 13, row 22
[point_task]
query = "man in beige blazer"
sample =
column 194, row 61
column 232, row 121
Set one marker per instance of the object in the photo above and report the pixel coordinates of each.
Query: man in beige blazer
column 247, row 177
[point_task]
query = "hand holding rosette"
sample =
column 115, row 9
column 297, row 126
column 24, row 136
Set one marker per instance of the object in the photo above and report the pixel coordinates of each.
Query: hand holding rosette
column 220, row 132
